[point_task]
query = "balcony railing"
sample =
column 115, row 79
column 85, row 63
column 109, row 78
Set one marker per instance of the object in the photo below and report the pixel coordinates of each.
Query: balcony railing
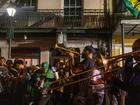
column 57, row 18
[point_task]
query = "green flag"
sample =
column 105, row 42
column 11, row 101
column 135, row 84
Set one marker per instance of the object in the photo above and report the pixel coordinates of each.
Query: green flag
column 133, row 6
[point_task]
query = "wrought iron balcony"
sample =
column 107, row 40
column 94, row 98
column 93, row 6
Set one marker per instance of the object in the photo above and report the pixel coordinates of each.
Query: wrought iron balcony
column 94, row 19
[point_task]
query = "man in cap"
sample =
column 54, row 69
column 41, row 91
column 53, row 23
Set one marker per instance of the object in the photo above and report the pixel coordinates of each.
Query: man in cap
column 82, row 90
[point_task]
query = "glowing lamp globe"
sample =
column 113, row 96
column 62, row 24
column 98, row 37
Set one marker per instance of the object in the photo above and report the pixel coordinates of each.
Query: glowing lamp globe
column 11, row 11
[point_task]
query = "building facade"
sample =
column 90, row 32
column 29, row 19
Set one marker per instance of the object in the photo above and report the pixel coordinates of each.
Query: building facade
column 40, row 21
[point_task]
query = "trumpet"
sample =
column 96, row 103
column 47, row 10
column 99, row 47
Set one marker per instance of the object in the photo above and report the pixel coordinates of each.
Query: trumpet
column 68, row 50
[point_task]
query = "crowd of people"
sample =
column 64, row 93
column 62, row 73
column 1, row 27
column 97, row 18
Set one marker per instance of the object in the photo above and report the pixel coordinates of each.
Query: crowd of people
column 21, row 85
column 36, row 85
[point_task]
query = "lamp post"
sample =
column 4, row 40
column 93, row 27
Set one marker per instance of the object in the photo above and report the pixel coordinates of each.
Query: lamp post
column 11, row 12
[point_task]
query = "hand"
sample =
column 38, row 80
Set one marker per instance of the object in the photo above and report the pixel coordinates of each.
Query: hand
column 20, row 77
column 108, row 76
column 44, row 91
column 71, row 54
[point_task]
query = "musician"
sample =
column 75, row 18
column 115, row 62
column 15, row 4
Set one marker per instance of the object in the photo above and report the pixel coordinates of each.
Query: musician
column 98, row 85
column 82, row 90
column 113, row 92
column 132, row 85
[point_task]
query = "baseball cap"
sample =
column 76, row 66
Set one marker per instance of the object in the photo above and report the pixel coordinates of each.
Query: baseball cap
column 89, row 48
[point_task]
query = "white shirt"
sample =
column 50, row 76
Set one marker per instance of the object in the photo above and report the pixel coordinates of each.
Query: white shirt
column 99, row 88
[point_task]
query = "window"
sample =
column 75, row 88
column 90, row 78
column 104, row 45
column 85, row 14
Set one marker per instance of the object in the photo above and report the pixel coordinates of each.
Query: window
column 66, row 3
column 26, row 3
column 31, row 2
column 72, row 7
column 72, row 2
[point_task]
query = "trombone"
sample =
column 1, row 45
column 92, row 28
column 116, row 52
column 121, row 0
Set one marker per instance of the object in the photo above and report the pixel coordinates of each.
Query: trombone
column 118, row 57
column 68, row 50
column 114, row 58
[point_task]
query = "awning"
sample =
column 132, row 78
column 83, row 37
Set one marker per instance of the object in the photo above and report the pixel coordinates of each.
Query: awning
column 131, row 27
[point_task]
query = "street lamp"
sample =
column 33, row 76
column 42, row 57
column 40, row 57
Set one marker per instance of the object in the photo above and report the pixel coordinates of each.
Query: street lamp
column 11, row 12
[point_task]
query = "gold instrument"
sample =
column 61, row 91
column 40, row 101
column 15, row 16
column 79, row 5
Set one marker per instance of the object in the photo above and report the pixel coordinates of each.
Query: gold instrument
column 67, row 50
column 104, row 60
column 119, row 58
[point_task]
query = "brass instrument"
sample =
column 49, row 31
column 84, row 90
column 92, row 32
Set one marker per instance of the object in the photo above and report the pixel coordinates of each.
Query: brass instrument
column 126, row 54
column 104, row 60
column 118, row 57
column 68, row 50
